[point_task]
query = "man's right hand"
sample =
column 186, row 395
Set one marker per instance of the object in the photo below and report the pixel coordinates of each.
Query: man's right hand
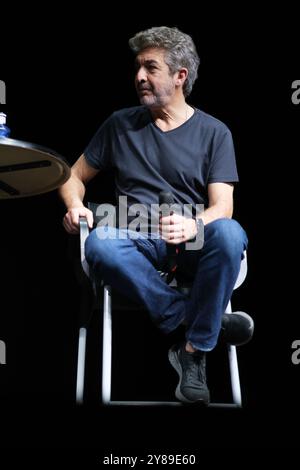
column 71, row 219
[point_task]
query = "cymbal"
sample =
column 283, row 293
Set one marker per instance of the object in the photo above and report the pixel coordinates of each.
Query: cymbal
column 28, row 169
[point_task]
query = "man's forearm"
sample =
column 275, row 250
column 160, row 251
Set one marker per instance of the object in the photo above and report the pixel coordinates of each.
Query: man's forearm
column 215, row 212
column 72, row 192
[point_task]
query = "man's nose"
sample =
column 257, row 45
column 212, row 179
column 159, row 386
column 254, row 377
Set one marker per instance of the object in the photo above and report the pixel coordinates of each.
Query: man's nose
column 141, row 75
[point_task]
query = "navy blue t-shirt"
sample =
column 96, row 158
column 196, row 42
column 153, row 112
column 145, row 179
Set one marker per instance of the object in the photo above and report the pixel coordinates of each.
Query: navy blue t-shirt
column 147, row 160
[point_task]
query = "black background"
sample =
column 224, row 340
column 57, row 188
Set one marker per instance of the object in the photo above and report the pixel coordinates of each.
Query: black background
column 64, row 75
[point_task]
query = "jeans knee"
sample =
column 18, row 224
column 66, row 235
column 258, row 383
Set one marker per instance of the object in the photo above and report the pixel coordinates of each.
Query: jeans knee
column 99, row 245
column 229, row 237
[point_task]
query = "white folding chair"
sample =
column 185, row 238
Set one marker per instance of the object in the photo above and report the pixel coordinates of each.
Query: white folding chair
column 107, row 341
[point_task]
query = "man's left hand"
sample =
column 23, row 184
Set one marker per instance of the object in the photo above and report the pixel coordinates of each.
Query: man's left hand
column 175, row 229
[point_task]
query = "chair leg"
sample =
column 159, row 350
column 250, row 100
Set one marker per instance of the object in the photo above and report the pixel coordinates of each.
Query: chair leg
column 234, row 375
column 107, row 363
column 234, row 370
column 81, row 365
column 106, row 346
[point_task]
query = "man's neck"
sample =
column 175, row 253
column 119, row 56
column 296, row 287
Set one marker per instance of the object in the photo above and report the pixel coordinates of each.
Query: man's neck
column 170, row 117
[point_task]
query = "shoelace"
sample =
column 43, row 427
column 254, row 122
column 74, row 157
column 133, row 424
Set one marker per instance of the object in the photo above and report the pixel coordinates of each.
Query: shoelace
column 194, row 368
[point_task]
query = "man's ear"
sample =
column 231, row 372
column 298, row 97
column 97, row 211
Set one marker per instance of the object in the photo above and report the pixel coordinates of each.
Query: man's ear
column 181, row 76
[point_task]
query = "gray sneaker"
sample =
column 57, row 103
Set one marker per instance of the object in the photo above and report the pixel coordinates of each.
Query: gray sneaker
column 191, row 368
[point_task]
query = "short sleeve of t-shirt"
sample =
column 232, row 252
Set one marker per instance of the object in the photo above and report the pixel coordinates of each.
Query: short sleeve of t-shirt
column 99, row 150
column 223, row 163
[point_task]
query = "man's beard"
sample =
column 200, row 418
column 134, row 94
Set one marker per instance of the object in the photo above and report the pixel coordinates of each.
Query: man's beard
column 157, row 100
column 149, row 101
column 154, row 101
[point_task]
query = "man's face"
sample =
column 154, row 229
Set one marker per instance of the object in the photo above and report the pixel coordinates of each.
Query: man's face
column 154, row 84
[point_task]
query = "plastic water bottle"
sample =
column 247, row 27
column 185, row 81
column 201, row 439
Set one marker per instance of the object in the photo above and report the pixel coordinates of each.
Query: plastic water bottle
column 4, row 130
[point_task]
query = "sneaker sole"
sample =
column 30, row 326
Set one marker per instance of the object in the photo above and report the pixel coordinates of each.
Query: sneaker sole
column 174, row 361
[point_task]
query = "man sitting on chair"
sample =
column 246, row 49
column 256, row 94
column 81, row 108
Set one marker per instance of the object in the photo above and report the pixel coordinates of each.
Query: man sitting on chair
column 166, row 144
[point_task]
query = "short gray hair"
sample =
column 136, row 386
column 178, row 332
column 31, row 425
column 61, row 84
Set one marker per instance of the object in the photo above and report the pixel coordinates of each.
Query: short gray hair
column 180, row 50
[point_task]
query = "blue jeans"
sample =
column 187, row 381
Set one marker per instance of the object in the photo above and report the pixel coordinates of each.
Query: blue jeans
column 131, row 267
